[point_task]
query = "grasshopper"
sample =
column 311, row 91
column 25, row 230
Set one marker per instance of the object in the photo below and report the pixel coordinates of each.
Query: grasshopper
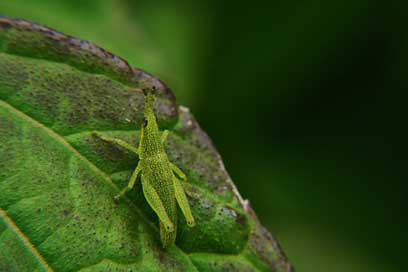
column 160, row 178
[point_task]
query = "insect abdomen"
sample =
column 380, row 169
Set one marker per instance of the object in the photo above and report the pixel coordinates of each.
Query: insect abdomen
column 160, row 177
column 168, row 238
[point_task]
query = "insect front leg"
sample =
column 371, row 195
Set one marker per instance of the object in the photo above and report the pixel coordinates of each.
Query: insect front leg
column 132, row 181
column 155, row 202
column 118, row 142
column 183, row 202
column 164, row 135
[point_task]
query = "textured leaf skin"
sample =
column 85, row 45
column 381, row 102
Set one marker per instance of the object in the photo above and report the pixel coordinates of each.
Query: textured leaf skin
column 57, row 181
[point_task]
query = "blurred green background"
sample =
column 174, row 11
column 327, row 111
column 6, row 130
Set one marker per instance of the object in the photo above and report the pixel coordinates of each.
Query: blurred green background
column 305, row 100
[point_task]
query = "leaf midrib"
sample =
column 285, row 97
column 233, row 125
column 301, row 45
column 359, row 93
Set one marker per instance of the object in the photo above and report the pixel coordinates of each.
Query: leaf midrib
column 25, row 240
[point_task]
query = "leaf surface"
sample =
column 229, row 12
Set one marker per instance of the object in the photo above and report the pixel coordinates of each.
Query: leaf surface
column 57, row 181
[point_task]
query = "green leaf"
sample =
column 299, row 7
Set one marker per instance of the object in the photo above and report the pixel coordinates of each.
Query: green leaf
column 57, row 181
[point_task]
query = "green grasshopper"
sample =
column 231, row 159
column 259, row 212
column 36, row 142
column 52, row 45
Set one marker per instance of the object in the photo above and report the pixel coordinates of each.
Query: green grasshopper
column 160, row 177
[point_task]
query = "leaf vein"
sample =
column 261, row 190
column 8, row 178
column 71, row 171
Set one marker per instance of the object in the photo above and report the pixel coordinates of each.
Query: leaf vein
column 25, row 240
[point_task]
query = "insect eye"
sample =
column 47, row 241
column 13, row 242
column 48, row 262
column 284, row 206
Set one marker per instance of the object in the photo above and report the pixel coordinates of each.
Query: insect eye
column 144, row 122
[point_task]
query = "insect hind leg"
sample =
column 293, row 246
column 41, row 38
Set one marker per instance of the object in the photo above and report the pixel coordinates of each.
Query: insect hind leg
column 155, row 202
column 183, row 202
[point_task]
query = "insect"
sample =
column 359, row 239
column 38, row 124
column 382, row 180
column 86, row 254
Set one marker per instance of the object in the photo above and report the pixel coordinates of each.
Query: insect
column 160, row 178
